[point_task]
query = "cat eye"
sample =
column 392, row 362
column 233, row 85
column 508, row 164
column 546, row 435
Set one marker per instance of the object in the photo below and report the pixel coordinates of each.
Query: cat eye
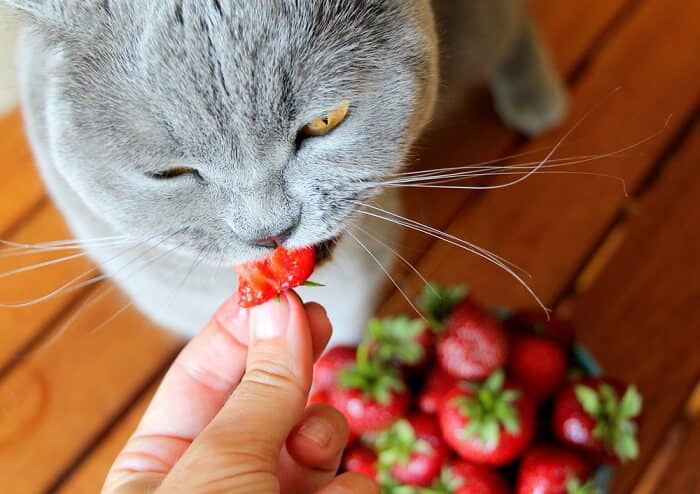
column 326, row 124
column 177, row 172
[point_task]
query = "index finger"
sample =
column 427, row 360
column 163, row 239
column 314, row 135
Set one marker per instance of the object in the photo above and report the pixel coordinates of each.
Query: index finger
column 193, row 391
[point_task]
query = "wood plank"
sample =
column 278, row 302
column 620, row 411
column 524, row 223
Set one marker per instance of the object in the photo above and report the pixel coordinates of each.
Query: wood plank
column 90, row 474
column 684, row 475
column 549, row 224
column 641, row 317
column 57, row 401
column 20, row 187
column 20, row 326
column 481, row 136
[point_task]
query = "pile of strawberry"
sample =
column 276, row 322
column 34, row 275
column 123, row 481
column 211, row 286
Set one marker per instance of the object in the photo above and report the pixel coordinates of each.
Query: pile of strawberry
column 476, row 402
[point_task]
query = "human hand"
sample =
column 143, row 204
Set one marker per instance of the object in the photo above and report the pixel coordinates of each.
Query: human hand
column 231, row 415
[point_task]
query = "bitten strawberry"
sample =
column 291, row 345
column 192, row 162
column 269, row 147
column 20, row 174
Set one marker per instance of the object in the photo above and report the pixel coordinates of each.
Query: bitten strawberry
column 466, row 478
column 331, row 364
column 437, row 385
column 599, row 417
column 474, row 344
column 554, row 470
column 361, row 460
column 489, row 423
column 412, row 451
column 401, row 341
column 538, row 365
column 534, row 322
column 370, row 394
column 261, row 281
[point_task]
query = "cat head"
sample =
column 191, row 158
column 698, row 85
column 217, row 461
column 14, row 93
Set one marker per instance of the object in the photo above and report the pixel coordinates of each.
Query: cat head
column 229, row 125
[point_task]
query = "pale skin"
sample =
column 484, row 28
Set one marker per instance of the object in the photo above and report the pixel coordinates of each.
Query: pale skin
column 231, row 414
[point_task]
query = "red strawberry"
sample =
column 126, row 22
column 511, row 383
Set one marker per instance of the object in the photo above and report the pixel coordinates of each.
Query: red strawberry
column 361, row 460
column 466, row 478
column 412, row 451
column 400, row 341
column 260, row 281
column 437, row 385
column 330, row 364
column 538, row 365
column 534, row 322
column 553, row 470
column 599, row 417
column 370, row 394
column 474, row 344
column 489, row 423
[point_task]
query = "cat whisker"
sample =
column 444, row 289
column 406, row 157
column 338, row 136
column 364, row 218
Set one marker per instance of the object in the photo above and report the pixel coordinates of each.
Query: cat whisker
column 17, row 247
column 40, row 265
column 440, row 235
column 402, row 258
column 73, row 285
column 388, row 274
column 460, row 243
column 438, row 185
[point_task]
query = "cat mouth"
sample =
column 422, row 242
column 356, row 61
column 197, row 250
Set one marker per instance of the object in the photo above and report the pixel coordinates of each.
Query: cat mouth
column 324, row 250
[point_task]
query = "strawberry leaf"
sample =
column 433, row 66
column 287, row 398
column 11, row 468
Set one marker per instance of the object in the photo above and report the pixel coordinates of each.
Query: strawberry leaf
column 438, row 302
column 631, row 404
column 396, row 340
column 588, row 398
column 574, row 486
column 313, row 284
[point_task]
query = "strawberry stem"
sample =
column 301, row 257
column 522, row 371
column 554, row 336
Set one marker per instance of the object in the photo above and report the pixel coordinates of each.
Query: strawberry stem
column 376, row 380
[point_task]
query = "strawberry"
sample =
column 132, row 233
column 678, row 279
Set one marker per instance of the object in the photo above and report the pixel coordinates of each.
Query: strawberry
column 370, row 394
column 554, row 470
column 401, row 341
column 260, row 281
column 330, row 364
column 437, row 303
column 534, row 322
column 361, row 460
column 319, row 397
column 437, row 385
column 466, row 478
column 538, row 365
column 474, row 344
column 599, row 417
column 412, row 451
column 489, row 423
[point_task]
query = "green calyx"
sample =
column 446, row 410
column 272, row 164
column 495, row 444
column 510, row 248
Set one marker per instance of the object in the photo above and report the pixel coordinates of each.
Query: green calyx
column 614, row 417
column 489, row 409
column 374, row 378
column 395, row 445
column 437, row 302
column 447, row 483
column 574, row 486
column 394, row 340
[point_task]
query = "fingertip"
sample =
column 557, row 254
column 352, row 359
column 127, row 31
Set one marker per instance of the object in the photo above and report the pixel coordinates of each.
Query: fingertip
column 319, row 439
column 321, row 328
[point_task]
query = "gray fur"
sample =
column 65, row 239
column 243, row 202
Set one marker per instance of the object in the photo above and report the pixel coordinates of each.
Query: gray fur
column 115, row 90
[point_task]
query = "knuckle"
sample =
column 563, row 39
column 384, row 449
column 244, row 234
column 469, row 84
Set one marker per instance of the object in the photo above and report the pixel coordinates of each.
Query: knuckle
column 274, row 376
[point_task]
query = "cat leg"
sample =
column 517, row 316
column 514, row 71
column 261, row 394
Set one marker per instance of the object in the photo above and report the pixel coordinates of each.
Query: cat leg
column 528, row 93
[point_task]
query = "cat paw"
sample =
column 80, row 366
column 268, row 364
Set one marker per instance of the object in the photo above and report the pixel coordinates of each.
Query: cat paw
column 532, row 108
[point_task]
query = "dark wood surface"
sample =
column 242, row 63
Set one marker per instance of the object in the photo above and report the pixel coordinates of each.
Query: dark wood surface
column 625, row 268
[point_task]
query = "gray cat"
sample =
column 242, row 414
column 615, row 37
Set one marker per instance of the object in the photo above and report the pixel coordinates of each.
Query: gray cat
column 184, row 136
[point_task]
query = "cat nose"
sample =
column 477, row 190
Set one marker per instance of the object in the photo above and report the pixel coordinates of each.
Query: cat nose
column 274, row 241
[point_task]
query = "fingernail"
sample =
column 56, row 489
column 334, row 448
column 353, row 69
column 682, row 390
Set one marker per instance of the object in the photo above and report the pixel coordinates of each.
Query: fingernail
column 270, row 320
column 317, row 431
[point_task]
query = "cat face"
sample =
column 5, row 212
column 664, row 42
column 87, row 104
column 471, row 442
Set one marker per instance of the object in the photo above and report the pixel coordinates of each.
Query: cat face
column 190, row 118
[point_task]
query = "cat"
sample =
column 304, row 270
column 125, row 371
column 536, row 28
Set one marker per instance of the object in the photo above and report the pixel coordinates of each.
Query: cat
column 181, row 137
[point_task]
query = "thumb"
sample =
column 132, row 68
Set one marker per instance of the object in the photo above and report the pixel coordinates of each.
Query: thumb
column 240, row 449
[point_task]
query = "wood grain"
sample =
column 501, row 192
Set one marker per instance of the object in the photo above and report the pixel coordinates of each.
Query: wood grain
column 480, row 135
column 89, row 476
column 641, row 318
column 20, row 326
column 59, row 399
column 549, row 225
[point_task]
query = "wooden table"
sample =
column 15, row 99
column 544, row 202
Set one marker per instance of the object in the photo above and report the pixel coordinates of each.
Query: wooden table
column 625, row 268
